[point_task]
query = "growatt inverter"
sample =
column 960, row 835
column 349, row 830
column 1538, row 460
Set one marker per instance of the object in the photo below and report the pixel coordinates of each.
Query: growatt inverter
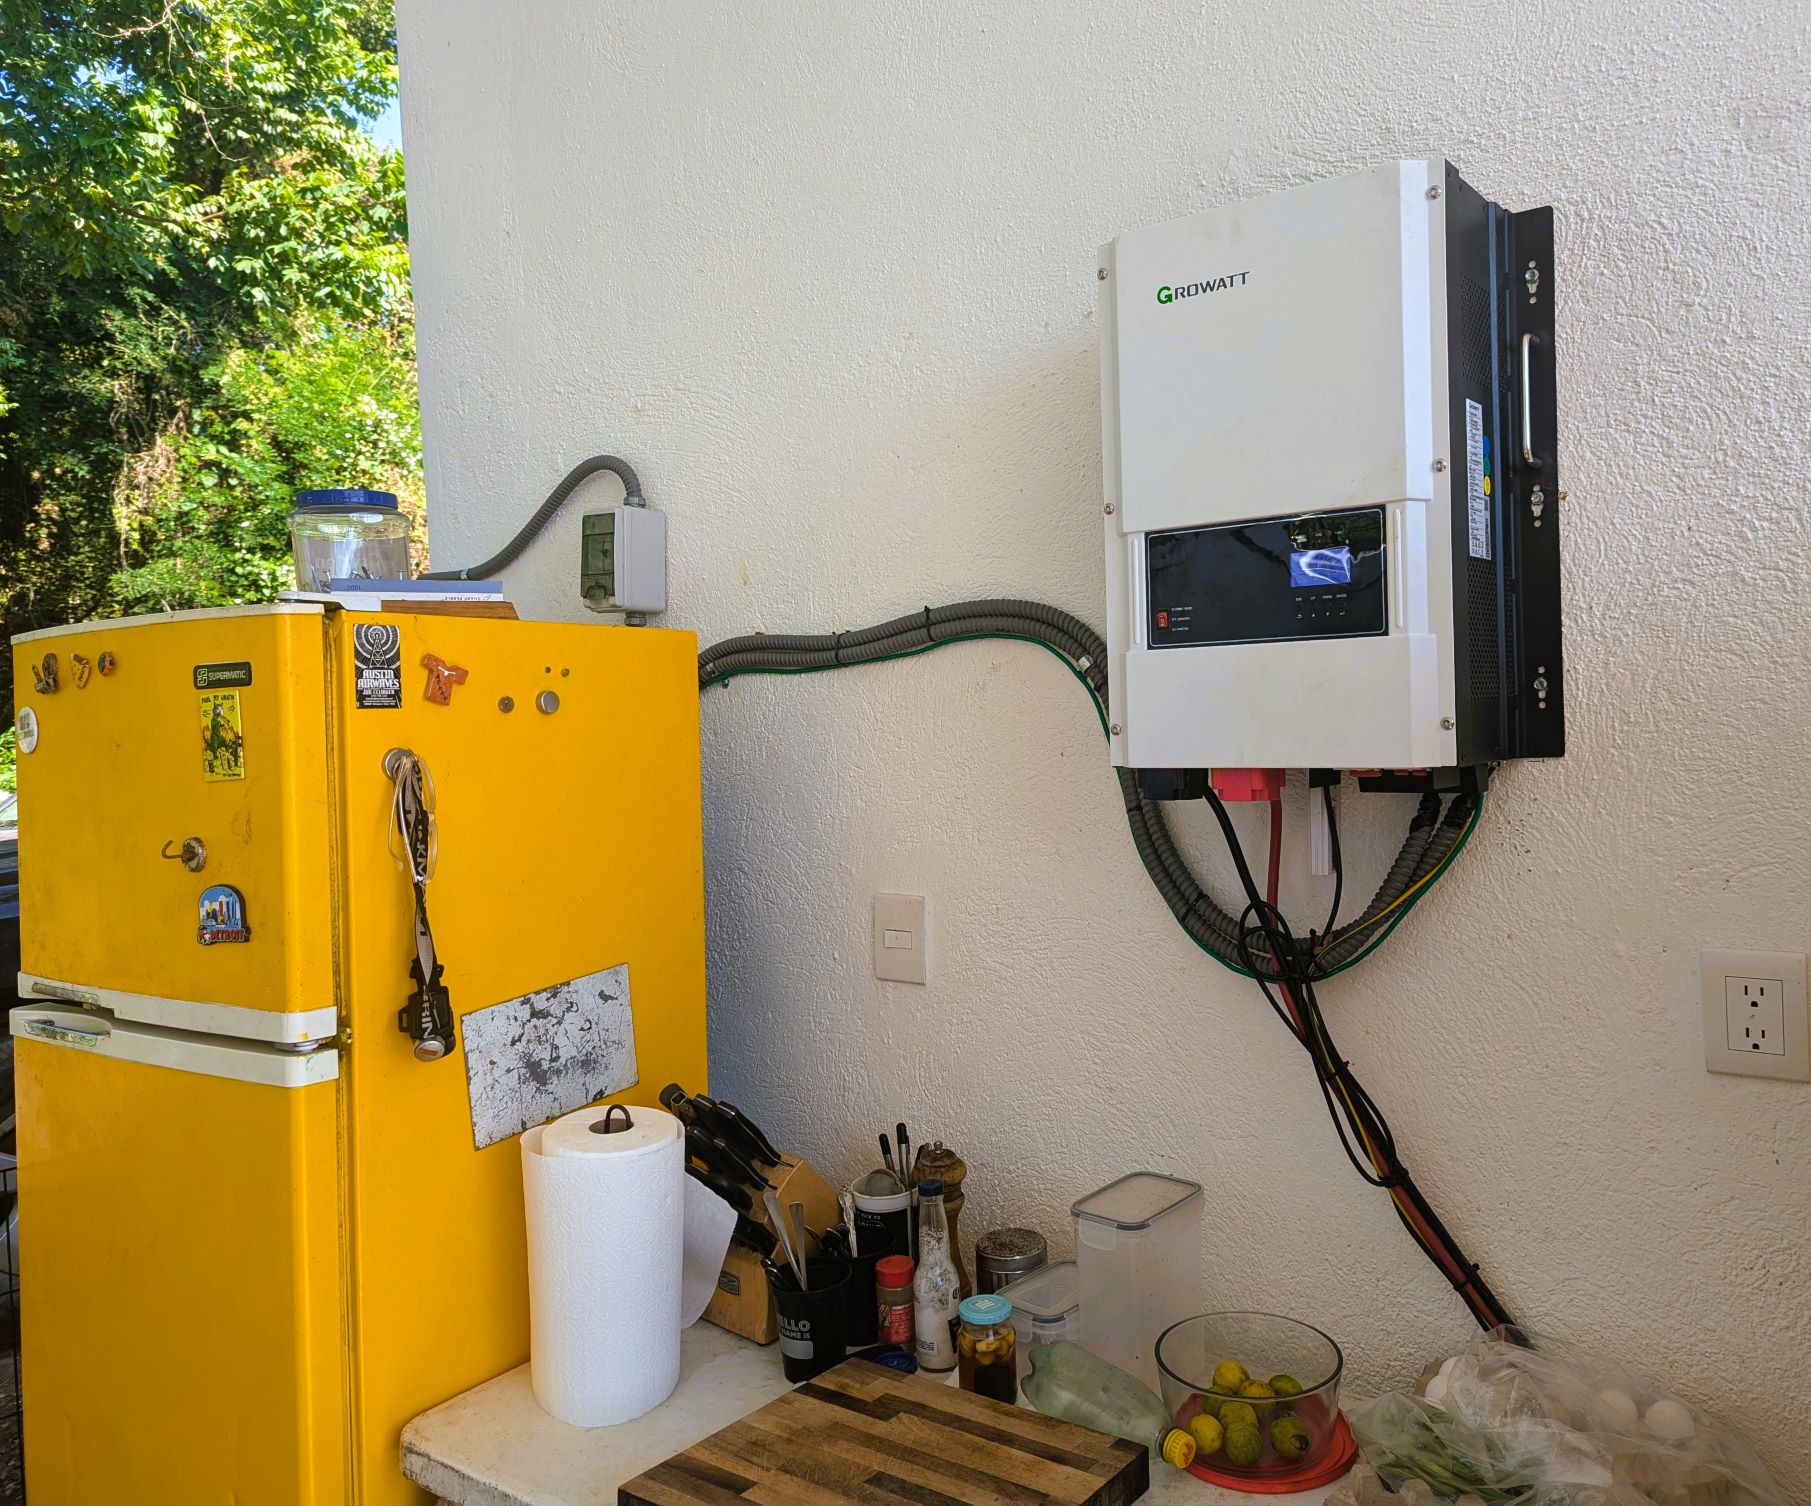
column 1331, row 488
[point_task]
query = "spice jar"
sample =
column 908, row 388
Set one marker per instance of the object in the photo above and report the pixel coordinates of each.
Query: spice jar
column 1002, row 1256
column 987, row 1348
column 893, row 1292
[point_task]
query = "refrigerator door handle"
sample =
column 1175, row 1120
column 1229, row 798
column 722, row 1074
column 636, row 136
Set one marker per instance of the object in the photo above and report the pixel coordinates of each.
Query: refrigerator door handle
column 268, row 1063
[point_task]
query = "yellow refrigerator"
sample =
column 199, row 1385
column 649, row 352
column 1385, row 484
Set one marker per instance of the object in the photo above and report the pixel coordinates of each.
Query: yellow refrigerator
column 270, row 1192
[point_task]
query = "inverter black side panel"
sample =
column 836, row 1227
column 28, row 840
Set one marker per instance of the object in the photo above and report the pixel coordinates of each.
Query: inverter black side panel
column 1505, row 528
column 1532, row 509
column 1476, row 423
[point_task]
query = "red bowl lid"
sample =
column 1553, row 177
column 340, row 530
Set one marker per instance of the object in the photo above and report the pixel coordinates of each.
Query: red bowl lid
column 1339, row 1455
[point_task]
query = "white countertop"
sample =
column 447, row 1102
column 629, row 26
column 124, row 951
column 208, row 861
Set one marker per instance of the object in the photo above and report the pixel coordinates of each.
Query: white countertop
column 494, row 1446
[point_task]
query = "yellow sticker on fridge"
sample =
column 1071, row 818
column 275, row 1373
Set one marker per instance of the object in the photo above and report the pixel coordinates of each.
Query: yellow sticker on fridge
column 222, row 737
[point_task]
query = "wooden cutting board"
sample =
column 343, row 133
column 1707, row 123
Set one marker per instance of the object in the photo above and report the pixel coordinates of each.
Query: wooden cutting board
column 864, row 1433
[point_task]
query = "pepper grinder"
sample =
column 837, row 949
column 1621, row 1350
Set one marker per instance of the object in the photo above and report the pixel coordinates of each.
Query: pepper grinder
column 938, row 1160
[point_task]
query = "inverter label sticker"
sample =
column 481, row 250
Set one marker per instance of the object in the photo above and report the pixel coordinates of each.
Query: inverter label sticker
column 1477, row 503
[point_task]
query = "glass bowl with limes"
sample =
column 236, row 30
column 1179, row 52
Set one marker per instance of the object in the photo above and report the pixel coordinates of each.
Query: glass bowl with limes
column 1258, row 1393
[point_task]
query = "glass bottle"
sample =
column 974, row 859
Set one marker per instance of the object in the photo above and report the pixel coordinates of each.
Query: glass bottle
column 936, row 1289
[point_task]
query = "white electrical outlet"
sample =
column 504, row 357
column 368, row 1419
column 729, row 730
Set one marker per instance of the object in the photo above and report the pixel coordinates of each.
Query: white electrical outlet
column 1755, row 1019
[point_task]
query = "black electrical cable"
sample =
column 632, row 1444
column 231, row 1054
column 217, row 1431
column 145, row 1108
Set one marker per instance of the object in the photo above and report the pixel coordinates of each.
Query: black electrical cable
column 1339, row 867
column 555, row 499
column 1259, row 943
column 1361, row 1117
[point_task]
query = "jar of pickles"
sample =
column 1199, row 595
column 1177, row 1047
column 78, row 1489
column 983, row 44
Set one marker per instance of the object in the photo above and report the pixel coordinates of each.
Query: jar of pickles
column 987, row 1348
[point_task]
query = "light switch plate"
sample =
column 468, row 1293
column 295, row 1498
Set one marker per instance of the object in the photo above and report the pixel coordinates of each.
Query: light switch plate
column 1755, row 1019
column 899, row 938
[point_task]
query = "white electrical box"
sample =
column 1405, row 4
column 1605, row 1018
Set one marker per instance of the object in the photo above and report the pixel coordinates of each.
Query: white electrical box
column 623, row 561
column 1330, row 498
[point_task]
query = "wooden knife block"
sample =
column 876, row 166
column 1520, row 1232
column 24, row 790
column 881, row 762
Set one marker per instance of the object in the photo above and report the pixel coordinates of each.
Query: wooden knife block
column 743, row 1302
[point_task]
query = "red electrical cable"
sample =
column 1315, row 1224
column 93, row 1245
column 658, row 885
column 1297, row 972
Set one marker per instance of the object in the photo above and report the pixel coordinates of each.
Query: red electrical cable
column 1276, row 849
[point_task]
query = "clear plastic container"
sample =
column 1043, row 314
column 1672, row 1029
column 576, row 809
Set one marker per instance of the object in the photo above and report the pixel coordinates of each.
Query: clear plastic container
column 347, row 534
column 1045, row 1307
column 1138, row 1266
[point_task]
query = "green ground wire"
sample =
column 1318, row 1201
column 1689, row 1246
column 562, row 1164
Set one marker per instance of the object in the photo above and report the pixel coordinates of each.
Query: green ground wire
column 1101, row 714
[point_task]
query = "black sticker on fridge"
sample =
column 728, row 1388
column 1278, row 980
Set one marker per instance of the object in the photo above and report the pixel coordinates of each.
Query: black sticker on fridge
column 377, row 665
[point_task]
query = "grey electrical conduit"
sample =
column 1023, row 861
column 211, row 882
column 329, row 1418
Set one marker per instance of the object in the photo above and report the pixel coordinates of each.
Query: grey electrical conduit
column 1430, row 838
column 556, row 498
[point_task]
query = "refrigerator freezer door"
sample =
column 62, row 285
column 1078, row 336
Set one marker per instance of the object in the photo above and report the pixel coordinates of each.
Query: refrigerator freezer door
column 205, row 727
column 569, row 843
column 181, row 1325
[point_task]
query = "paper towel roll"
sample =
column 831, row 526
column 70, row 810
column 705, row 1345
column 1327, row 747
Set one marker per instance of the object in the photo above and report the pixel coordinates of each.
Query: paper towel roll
column 606, row 1230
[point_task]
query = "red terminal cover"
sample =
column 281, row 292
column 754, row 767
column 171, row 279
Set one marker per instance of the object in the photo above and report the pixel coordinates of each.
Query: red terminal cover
column 1233, row 785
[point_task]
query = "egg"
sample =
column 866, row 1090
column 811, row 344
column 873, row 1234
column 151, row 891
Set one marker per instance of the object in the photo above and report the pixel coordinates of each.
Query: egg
column 1670, row 1420
column 1621, row 1407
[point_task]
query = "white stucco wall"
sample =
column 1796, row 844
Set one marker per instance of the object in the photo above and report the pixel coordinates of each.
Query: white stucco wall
column 825, row 271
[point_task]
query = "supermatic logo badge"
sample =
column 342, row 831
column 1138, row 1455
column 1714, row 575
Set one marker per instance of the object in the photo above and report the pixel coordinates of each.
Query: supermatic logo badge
column 377, row 665
column 1168, row 294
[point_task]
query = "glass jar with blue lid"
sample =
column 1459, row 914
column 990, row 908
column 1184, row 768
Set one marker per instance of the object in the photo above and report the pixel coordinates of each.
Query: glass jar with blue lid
column 348, row 533
column 987, row 1348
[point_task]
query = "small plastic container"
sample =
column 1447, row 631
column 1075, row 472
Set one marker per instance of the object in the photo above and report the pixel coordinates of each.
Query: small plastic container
column 987, row 1348
column 1138, row 1266
column 1296, row 1425
column 1045, row 1308
column 347, row 534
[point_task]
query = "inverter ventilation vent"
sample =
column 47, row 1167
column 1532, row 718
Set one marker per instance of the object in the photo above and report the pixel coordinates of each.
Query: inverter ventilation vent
column 1474, row 333
column 1484, row 639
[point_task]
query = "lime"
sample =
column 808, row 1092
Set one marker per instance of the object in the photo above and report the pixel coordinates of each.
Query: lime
column 1229, row 1375
column 1208, row 1434
column 1290, row 1438
column 1238, row 1414
column 1285, row 1385
column 1244, row 1445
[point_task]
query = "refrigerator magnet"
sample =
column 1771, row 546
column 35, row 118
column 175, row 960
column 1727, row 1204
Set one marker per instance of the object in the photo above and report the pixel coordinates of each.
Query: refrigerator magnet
column 222, row 736
column 81, row 668
column 25, row 729
column 222, row 916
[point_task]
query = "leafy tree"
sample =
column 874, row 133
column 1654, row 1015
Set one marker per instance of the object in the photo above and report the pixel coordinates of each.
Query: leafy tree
column 203, row 293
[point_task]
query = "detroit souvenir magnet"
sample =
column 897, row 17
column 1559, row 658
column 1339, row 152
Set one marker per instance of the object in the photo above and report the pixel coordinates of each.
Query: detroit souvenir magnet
column 222, row 916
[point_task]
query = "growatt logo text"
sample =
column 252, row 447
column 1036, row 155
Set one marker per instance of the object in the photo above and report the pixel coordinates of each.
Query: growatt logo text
column 1168, row 294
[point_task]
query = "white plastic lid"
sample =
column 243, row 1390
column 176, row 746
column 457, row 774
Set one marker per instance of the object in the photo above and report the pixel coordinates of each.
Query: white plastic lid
column 1136, row 1201
column 1047, row 1295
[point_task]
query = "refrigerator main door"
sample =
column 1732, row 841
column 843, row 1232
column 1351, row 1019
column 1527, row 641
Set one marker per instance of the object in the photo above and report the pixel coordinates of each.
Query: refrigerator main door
column 564, row 762
column 179, row 1235
column 152, row 732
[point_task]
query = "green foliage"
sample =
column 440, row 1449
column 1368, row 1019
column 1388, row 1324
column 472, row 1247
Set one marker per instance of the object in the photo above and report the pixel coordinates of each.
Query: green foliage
column 334, row 405
column 203, row 293
column 9, row 760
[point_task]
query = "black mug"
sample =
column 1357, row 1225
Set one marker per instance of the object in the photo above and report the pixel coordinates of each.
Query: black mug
column 864, row 1302
column 813, row 1324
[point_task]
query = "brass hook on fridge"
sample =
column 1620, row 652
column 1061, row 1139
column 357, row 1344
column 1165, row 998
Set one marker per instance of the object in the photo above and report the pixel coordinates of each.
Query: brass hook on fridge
column 193, row 854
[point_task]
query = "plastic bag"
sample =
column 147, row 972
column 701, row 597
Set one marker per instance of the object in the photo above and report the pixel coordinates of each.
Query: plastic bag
column 1074, row 1385
column 1546, row 1426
